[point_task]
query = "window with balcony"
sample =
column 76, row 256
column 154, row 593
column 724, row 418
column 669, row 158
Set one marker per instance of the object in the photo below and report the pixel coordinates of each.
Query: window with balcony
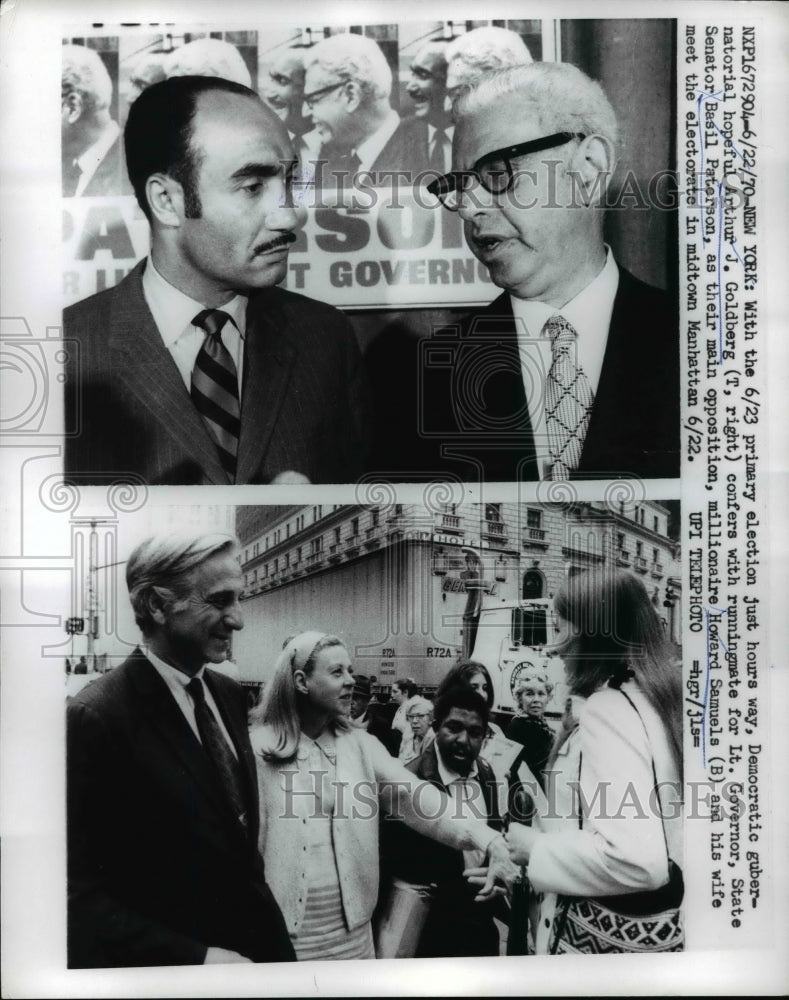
column 354, row 527
column 493, row 511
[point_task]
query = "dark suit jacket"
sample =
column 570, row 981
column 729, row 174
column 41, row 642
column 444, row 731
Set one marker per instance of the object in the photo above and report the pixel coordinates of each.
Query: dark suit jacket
column 456, row 925
column 406, row 149
column 158, row 867
column 462, row 412
column 303, row 402
column 110, row 176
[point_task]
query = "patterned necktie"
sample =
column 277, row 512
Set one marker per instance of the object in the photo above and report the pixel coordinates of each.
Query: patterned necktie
column 215, row 388
column 568, row 399
column 216, row 746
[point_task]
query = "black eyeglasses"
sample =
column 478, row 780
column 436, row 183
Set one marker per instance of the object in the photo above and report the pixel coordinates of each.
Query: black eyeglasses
column 310, row 99
column 494, row 170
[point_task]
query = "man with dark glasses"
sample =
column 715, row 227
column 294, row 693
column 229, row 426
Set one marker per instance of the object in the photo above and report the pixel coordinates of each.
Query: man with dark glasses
column 346, row 93
column 572, row 372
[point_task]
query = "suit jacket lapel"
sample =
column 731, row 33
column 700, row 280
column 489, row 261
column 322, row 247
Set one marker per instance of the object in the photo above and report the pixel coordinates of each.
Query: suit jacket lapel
column 164, row 715
column 268, row 363
column 150, row 373
column 505, row 394
column 617, row 397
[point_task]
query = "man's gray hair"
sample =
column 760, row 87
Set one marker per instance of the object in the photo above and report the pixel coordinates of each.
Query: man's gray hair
column 85, row 72
column 484, row 49
column 164, row 561
column 560, row 96
column 353, row 57
column 208, row 57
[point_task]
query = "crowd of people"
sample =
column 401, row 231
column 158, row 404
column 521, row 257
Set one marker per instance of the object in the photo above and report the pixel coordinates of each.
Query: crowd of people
column 310, row 829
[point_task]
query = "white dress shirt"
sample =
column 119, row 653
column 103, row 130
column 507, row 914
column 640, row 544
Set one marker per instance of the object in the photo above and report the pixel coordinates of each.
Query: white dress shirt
column 465, row 794
column 590, row 314
column 89, row 162
column 173, row 312
column 176, row 680
column 369, row 150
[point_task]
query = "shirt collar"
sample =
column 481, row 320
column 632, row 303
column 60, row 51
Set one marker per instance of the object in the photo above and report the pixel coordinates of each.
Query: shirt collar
column 368, row 150
column 448, row 776
column 589, row 312
column 173, row 310
column 172, row 676
column 94, row 154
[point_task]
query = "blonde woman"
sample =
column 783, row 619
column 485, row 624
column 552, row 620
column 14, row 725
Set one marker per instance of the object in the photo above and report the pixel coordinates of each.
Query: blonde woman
column 321, row 781
column 529, row 727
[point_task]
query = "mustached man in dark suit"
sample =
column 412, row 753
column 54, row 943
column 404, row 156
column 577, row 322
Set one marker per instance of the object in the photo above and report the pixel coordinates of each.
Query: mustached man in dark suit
column 163, row 866
column 573, row 372
column 195, row 368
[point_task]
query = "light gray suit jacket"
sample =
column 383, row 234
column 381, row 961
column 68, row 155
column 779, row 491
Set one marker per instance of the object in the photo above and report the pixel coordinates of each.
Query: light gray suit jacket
column 303, row 400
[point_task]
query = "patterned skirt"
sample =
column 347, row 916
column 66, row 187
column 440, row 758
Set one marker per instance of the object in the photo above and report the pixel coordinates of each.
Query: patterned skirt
column 589, row 928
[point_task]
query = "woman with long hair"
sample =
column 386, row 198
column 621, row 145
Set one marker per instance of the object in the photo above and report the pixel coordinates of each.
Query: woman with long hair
column 321, row 778
column 607, row 857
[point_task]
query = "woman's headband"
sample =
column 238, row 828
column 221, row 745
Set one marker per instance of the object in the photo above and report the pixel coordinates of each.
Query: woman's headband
column 302, row 646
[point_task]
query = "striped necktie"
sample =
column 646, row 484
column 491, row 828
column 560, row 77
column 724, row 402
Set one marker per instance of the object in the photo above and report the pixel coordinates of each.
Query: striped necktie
column 568, row 399
column 215, row 388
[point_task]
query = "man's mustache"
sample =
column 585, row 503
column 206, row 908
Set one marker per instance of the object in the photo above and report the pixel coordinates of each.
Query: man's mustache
column 281, row 241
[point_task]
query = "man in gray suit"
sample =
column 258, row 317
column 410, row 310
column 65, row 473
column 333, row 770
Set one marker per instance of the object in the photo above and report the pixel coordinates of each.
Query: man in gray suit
column 195, row 368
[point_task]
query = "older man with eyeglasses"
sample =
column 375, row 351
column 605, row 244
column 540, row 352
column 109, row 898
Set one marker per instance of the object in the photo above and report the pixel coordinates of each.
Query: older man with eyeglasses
column 347, row 94
column 572, row 372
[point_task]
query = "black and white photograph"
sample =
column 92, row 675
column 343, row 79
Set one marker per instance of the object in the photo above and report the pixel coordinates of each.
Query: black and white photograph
column 392, row 551
column 545, row 376
column 259, row 779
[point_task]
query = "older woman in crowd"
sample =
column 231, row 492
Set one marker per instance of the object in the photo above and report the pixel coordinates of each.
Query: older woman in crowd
column 529, row 726
column 321, row 778
column 609, row 868
column 420, row 718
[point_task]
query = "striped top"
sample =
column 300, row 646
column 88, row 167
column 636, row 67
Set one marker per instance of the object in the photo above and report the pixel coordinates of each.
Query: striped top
column 324, row 933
